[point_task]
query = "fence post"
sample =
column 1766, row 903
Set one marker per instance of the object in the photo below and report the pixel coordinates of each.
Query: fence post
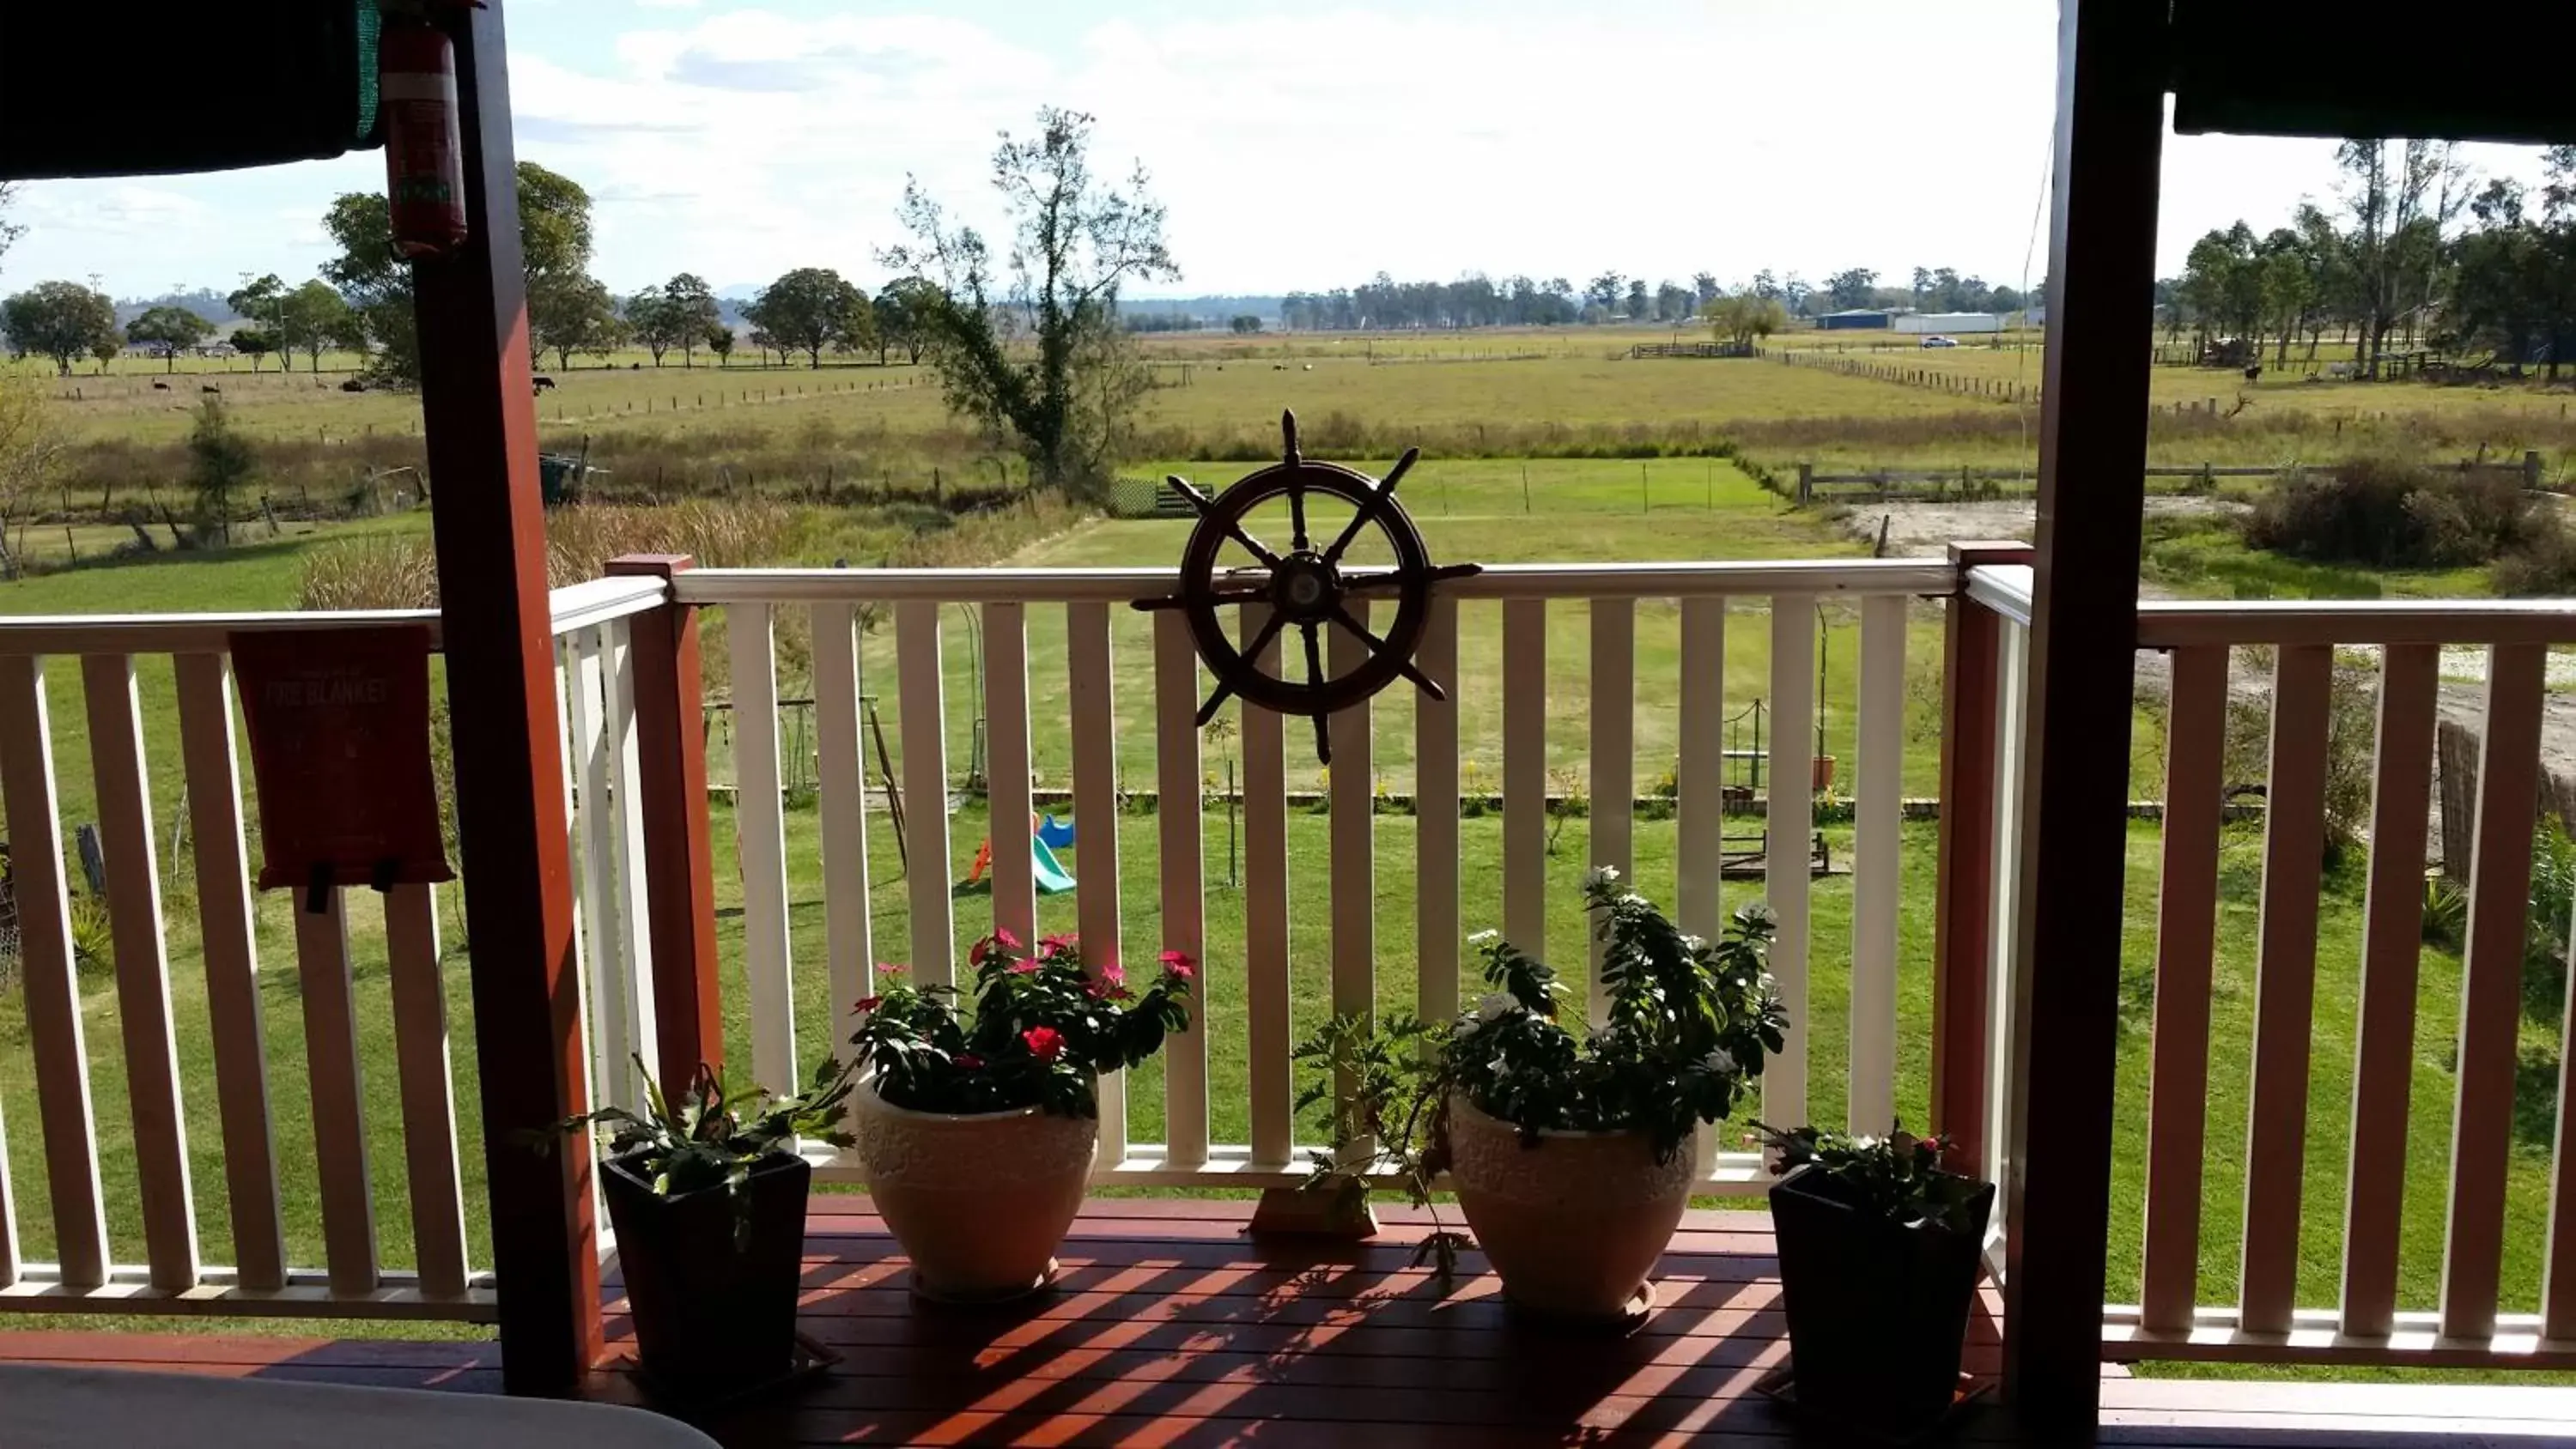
column 1806, row 482
column 1963, row 928
column 2530, row 468
column 679, row 858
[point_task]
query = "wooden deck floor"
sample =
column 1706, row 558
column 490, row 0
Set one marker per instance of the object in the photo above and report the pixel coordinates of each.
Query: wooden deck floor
column 1168, row 1327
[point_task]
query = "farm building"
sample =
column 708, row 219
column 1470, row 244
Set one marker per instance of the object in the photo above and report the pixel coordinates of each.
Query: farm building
column 1949, row 323
column 1852, row 319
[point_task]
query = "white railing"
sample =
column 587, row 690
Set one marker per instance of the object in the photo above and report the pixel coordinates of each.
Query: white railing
column 1091, row 603
column 127, row 666
column 2462, row 1323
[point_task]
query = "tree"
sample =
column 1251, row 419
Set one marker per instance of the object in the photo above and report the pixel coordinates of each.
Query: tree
column 691, row 303
column 570, row 317
column 719, row 340
column 1704, row 288
column 9, row 231
column 258, row 300
column 812, row 308
column 2401, row 202
column 1244, row 324
column 168, row 331
column 1855, row 287
column 254, row 343
column 314, row 318
column 30, row 446
column 650, row 320
column 220, row 462
column 1605, row 289
column 62, row 320
column 554, row 247
column 1638, row 306
column 1075, row 242
column 1741, row 318
column 903, row 316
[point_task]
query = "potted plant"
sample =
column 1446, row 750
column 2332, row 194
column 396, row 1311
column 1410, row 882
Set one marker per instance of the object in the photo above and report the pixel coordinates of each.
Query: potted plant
column 707, row 1196
column 1879, row 1253
column 976, row 1132
column 1571, row 1151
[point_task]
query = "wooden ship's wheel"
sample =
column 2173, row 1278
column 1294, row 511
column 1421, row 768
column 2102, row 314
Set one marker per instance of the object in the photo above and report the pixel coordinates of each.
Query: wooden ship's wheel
column 1306, row 587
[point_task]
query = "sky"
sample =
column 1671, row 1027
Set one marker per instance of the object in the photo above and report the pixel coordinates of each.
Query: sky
column 1296, row 145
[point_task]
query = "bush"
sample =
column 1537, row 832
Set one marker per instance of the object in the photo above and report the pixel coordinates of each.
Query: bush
column 2394, row 513
column 2545, row 564
column 2352, row 745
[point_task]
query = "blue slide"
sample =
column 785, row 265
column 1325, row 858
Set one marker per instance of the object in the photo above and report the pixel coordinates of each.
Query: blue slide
column 1051, row 876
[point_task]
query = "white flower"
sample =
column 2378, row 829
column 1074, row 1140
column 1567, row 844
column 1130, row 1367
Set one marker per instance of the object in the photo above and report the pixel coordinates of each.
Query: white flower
column 1484, row 938
column 1693, row 944
column 1632, row 898
column 1601, row 876
column 1719, row 1062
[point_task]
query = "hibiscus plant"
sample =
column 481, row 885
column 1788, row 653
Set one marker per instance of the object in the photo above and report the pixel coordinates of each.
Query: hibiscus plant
column 1041, row 1028
column 1688, row 1024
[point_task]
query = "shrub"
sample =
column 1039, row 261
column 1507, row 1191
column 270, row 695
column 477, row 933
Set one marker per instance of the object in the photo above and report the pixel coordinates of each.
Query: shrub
column 2393, row 513
column 2545, row 564
column 2352, row 742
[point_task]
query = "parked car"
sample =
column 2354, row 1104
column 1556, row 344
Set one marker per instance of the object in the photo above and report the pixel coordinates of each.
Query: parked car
column 1940, row 341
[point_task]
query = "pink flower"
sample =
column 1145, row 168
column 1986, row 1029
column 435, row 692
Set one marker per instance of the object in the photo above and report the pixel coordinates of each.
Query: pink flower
column 888, row 968
column 976, row 953
column 1003, row 935
column 1045, row 1042
column 970, row 1062
column 1180, row 965
column 1024, row 966
column 1113, row 973
column 1060, row 941
column 868, row 1004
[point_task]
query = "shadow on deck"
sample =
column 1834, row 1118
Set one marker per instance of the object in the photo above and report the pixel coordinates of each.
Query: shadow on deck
column 1169, row 1328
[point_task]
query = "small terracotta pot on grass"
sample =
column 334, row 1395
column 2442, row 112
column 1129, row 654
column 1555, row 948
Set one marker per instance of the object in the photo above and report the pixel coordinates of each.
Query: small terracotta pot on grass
column 979, row 1202
column 1575, row 1222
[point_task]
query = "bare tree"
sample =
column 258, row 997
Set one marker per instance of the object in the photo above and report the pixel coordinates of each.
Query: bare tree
column 2403, row 195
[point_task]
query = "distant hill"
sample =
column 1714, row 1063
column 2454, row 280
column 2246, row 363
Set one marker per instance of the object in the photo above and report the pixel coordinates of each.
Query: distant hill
column 1212, row 311
column 204, row 301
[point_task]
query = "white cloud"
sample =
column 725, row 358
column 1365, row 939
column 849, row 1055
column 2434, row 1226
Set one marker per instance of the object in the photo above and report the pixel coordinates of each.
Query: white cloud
column 1294, row 149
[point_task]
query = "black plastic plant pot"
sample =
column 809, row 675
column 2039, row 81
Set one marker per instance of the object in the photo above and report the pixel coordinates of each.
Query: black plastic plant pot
column 715, row 1313
column 1878, row 1311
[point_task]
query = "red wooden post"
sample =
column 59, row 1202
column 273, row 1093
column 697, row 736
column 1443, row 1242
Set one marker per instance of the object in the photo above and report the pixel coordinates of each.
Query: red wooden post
column 679, row 860
column 2075, row 758
column 481, row 430
column 1963, row 929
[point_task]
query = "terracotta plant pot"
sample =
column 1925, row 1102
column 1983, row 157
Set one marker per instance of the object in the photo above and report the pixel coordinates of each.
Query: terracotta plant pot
column 1573, row 1223
column 714, row 1300
column 978, row 1202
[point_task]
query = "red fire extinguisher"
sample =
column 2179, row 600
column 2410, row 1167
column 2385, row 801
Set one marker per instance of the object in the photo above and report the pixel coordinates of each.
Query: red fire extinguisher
column 424, row 152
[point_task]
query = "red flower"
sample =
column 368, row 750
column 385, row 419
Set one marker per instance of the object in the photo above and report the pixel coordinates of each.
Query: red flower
column 1045, row 1042
column 1112, row 973
column 1003, row 935
column 976, row 953
column 970, row 1062
column 1061, row 941
column 868, row 1004
column 1179, row 964
column 1024, row 966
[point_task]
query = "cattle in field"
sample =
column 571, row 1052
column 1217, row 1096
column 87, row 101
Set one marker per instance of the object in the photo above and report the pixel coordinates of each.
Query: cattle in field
column 545, row 383
column 160, row 387
column 353, row 385
column 210, row 388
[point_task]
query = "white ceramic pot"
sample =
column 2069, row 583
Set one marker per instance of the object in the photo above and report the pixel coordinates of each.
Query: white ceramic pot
column 978, row 1202
column 1575, row 1223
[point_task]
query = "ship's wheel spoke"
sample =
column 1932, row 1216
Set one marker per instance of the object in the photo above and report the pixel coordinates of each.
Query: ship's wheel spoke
column 1206, row 507
column 1377, row 500
column 1404, row 667
column 1224, row 690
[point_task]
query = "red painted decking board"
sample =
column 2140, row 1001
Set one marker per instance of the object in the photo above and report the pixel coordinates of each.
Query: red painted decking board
column 1170, row 1328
